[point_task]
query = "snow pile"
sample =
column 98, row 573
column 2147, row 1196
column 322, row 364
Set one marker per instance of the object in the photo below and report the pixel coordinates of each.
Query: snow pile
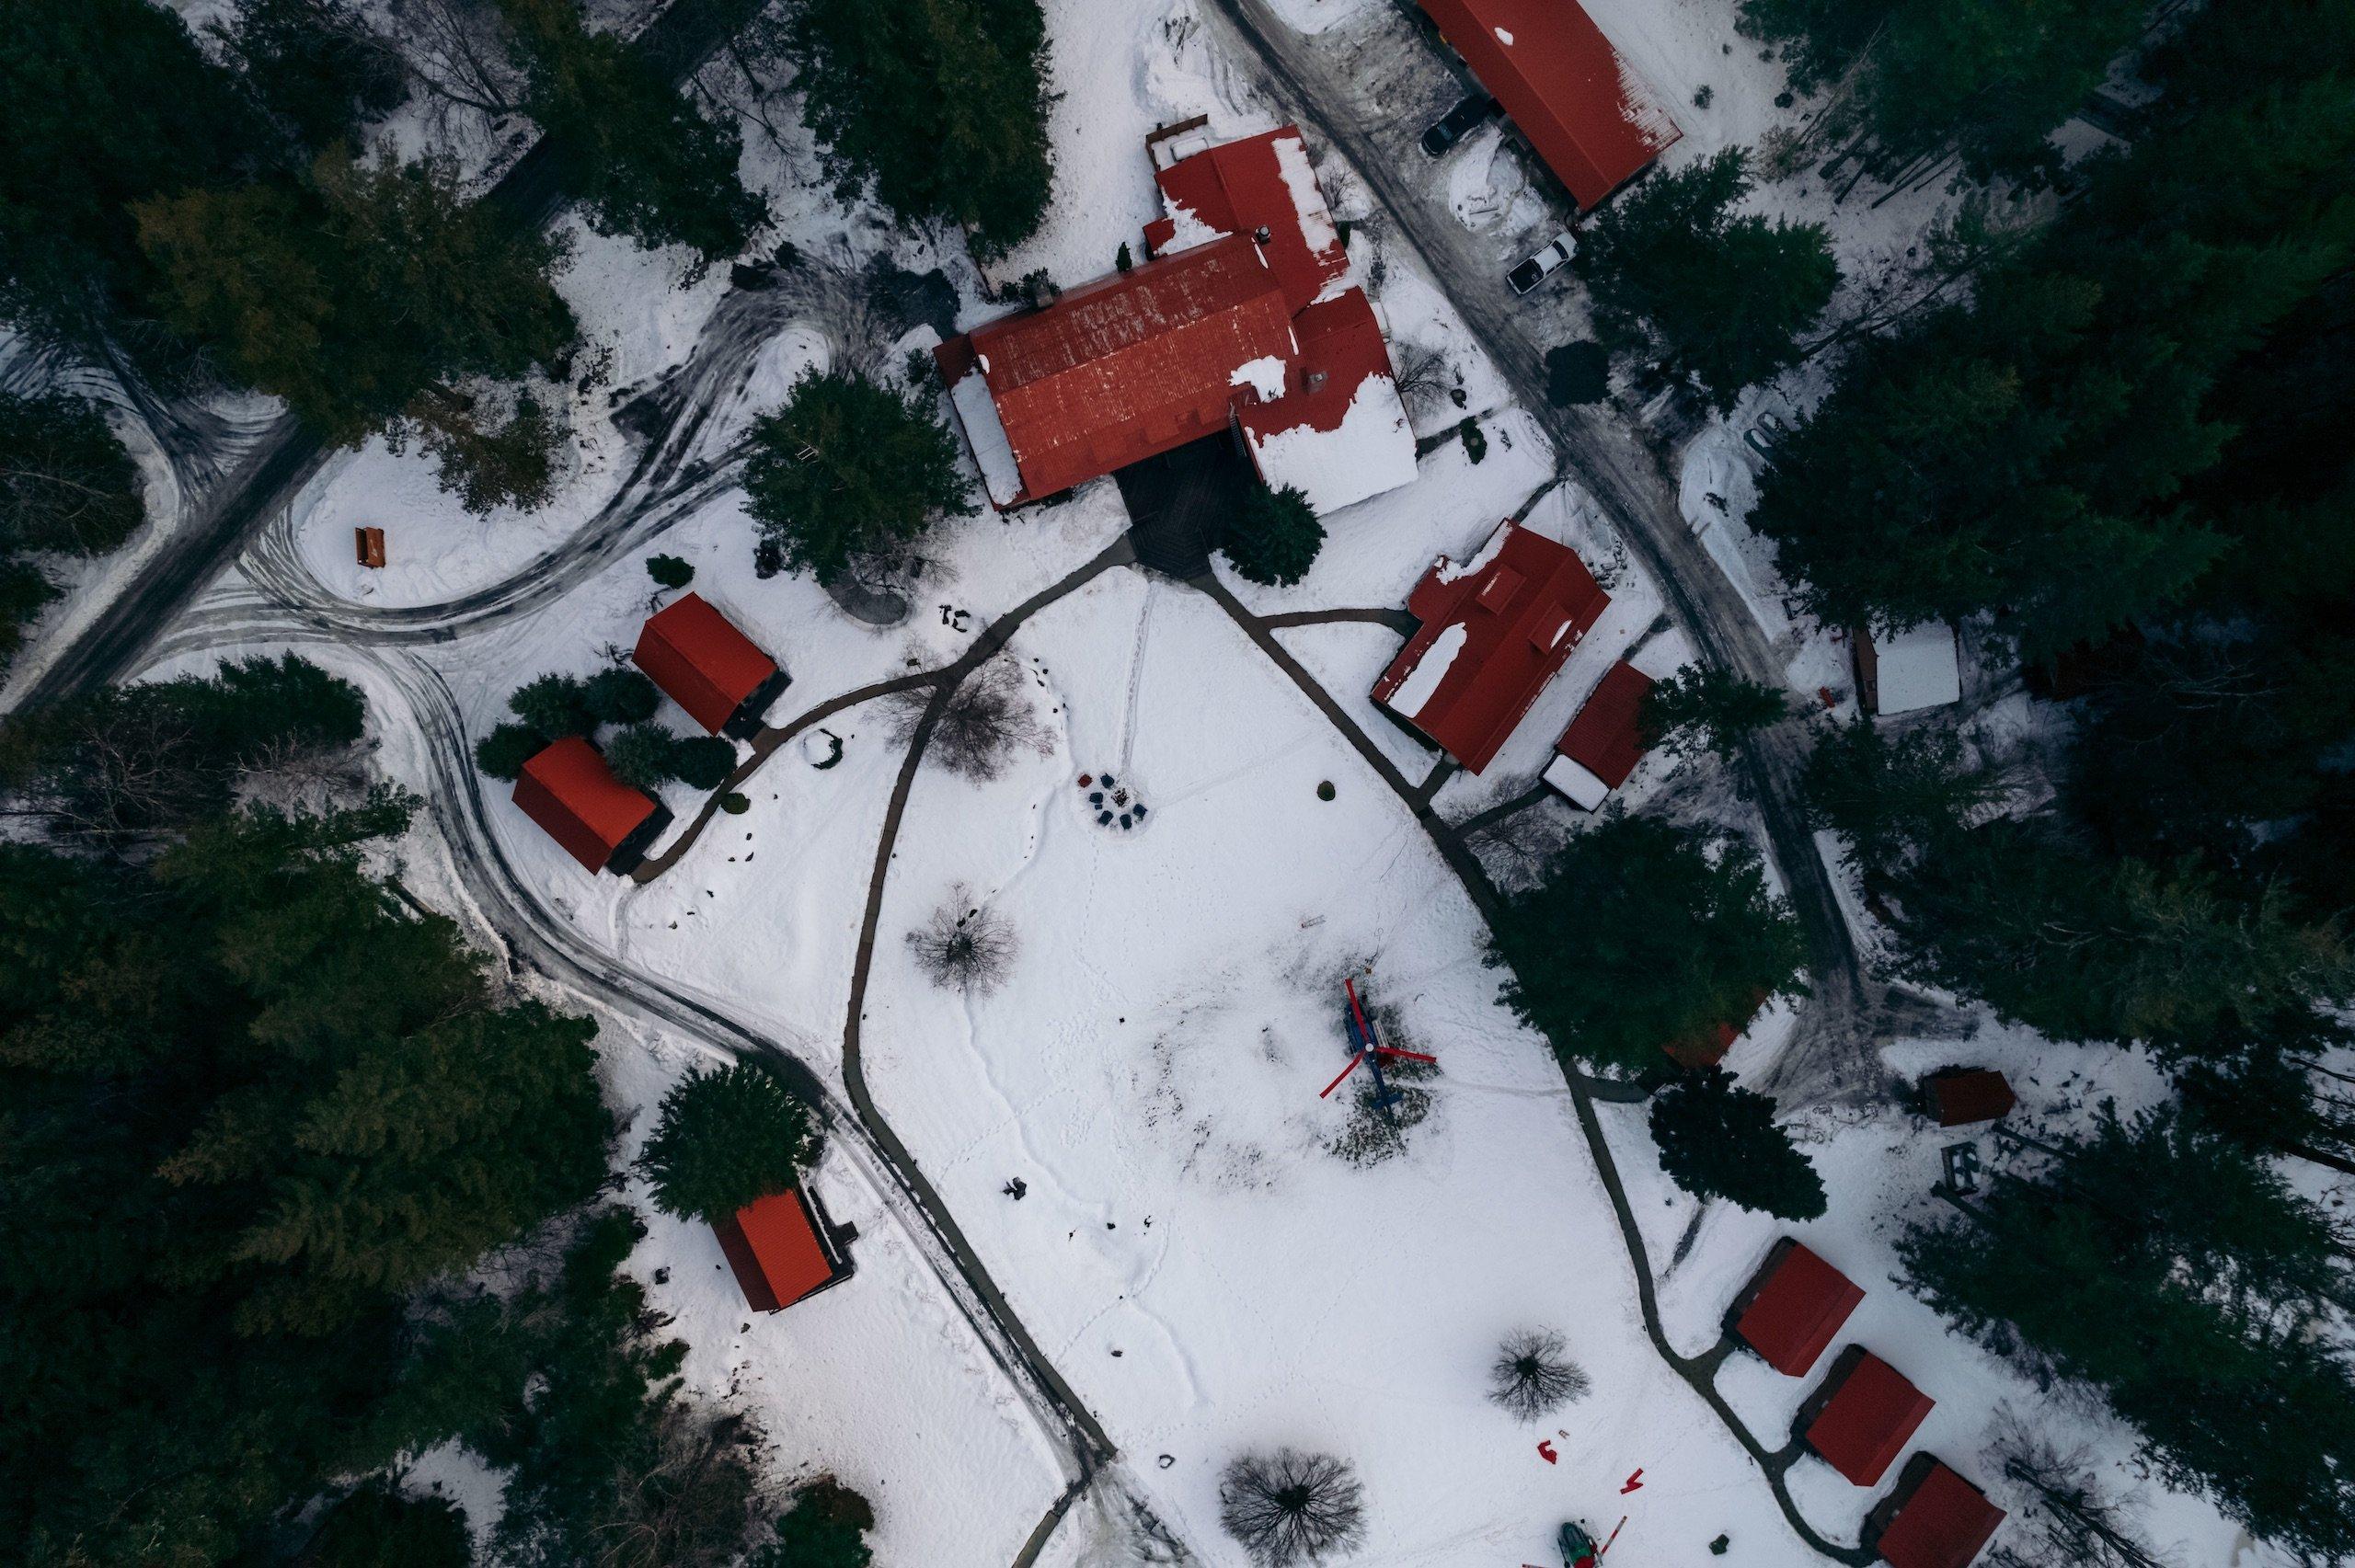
column 1916, row 668
column 1264, row 375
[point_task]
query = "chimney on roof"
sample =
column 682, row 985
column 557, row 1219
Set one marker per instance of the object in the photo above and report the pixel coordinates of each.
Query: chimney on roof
column 1317, row 381
column 1263, row 234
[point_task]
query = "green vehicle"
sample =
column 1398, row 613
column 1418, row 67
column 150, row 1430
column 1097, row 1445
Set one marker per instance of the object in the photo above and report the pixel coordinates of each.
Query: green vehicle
column 1578, row 1550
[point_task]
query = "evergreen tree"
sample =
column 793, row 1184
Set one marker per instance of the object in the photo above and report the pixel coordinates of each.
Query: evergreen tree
column 620, row 695
column 65, row 483
column 1275, row 539
column 1889, row 795
column 1708, row 706
column 554, row 706
column 939, row 105
column 253, row 1104
column 1636, row 938
column 643, row 756
column 109, row 103
column 668, row 571
column 502, row 752
column 508, row 461
column 316, row 66
column 644, row 159
column 849, row 468
column 725, row 1138
column 2175, row 1274
column 1718, row 1139
column 377, row 1528
column 1719, row 300
column 703, row 761
column 360, row 294
column 2081, row 949
column 1990, row 78
column 825, row 1526
column 23, row 593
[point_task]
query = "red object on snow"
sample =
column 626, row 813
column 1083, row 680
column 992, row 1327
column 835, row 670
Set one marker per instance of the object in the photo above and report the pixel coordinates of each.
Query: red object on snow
column 1868, row 1413
column 1604, row 739
column 701, row 660
column 1960, row 1095
column 1794, row 1307
column 569, row 792
column 1936, row 1519
column 1633, row 1482
column 1580, row 103
column 1494, row 630
column 1243, row 187
column 1546, row 1451
column 1125, row 368
column 777, row 1251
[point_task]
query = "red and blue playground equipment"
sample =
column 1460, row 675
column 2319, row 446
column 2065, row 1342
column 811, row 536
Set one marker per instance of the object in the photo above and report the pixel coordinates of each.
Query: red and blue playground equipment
column 1366, row 1048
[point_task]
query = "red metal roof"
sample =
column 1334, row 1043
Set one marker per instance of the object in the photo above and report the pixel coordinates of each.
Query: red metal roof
column 1944, row 1524
column 701, row 660
column 1873, row 1412
column 570, row 792
column 1259, row 182
column 1340, row 346
column 1604, row 738
column 772, row 1248
column 1128, row 367
column 1581, row 104
column 1965, row 1095
column 1798, row 1304
column 1522, row 604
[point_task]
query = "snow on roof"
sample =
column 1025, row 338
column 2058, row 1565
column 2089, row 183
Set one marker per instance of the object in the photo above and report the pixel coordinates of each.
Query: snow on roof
column 1264, row 375
column 1342, row 433
column 992, row 451
column 1591, row 116
column 1917, row 668
column 1431, row 667
column 1521, row 615
column 1125, row 368
column 1577, row 783
column 1262, row 182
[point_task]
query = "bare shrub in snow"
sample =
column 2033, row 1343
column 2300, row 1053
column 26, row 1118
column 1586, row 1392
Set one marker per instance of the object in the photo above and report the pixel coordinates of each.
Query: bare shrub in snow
column 1287, row 1506
column 2068, row 1521
column 982, row 724
column 1534, row 1374
column 459, row 51
column 1420, row 374
column 964, row 946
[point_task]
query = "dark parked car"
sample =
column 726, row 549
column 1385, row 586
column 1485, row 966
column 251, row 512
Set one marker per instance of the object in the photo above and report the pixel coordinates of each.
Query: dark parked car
column 1457, row 123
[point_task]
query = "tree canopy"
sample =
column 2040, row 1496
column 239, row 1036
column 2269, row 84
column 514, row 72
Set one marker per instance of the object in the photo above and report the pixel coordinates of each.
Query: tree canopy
column 1719, row 300
column 849, row 467
column 1639, row 937
column 1276, row 537
column 725, row 1139
column 1719, row 1139
column 939, row 106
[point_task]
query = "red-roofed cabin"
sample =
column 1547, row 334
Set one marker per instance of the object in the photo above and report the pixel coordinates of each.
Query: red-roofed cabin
column 707, row 667
column 600, row 821
column 1863, row 1416
column 1262, row 184
column 1605, row 742
column 1793, row 1308
column 1343, row 378
column 1494, row 630
column 781, row 1251
column 1933, row 1519
column 1958, row 1096
column 1582, row 106
column 1116, row 371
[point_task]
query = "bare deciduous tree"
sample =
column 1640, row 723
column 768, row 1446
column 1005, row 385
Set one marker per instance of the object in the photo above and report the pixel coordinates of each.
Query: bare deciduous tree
column 964, row 945
column 460, row 51
column 981, row 724
column 1422, row 375
column 2069, row 1521
column 1287, row 1506
column 1534, row 1374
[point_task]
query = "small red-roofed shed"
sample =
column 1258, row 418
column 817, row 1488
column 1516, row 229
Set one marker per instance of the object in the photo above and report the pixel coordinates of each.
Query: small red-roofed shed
column 1863, row 1416
column 780, row 1250
column 1583, row 107
column 1494, row 630
column 599, row 821
column 707, row 667
column 1793, row 1308
column 1958, row 1096
column 1933, row 1519
column 1605, row 742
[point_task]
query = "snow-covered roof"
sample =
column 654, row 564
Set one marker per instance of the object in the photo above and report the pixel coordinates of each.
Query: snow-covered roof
column 1581, row 788
column 1917, row 668
column 986, row 436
